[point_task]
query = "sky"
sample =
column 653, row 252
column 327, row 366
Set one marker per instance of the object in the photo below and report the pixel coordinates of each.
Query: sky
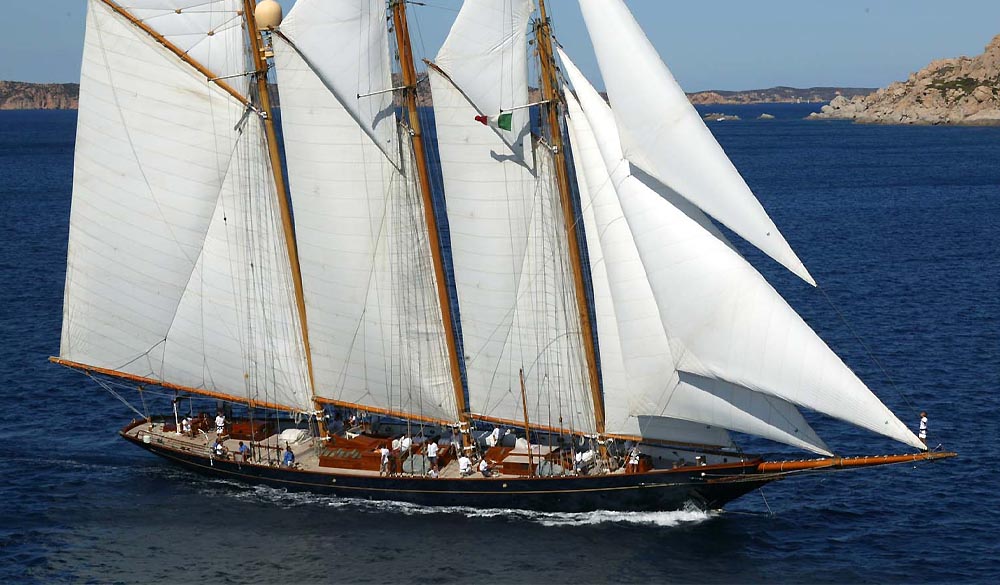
column 724, row 44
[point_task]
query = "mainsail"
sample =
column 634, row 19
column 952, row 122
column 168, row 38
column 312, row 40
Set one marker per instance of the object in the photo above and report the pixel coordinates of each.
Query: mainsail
column 375, row 327
column 509, row 248
column 729, row 334
column 177, row 268
column 662, row 133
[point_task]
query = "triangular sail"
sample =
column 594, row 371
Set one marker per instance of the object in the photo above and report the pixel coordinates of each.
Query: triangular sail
column 346, row 43
column 486, row 56
column 642, row 388
column 375, row 325
column 662, row 133
column 723, row 321
column 514, row 284
column 176, row 267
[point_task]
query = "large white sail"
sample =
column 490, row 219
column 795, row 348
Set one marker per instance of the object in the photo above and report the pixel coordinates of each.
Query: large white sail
column 346, row 44
column 643, row 391
column 513, row 281
column 723, row 321
column 375, row 326
column 177, row 269
column 662, row 133
column 486, row 57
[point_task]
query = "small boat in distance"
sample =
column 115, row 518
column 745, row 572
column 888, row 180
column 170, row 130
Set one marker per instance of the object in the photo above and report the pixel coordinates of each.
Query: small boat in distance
column 584, row 338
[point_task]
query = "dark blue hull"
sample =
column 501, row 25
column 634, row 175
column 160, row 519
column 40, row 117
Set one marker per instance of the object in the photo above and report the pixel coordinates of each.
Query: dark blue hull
column 705, row 487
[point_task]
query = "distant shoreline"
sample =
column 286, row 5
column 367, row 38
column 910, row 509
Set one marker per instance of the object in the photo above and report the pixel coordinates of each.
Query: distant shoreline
column 19, row 95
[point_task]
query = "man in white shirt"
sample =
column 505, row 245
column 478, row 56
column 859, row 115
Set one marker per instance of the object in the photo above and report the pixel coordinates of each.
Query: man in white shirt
column 432, row 456
column 384, row 467
column 464, row 465
column 405, row 443
column 220, row 424
column 922, row 433
column 485, row 468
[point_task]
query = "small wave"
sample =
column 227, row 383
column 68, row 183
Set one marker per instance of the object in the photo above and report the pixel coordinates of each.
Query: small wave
column 666, row 519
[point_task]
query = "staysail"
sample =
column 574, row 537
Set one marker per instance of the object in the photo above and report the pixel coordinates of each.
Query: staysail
column 644, row 393
column 346, row 44
column 375, row 326
column 662, row 133
column 485, row 55
column 728, row 330
column 177, row 269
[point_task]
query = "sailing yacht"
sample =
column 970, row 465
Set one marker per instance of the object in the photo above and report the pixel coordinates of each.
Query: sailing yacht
column 568, row 312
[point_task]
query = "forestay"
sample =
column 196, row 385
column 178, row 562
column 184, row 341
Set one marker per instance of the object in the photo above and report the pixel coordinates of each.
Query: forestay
column 644, row 393
column 177, row 269
column 726, row 327
column 662, row 133
column 375, row 325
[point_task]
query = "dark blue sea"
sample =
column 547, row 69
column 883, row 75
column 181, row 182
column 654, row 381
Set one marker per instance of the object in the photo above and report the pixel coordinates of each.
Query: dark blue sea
column 899, row 225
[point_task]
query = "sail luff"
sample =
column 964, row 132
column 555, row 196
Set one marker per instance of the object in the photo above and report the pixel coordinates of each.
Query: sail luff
column 551, row 100
column 423, row 172
column 182, row 55
column 281, row 190
column 91, row 369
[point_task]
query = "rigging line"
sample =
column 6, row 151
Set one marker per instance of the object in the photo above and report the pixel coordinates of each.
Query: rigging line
column 111, row 391
column 868, row 350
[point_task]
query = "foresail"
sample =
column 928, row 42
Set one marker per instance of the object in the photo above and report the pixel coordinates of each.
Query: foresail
column 346, row 44
column 723, row 321
column 515, row 288
column 485, row 55
column 662, row 133
column 208, row 31
column 176, row 266
column 374, row 321
column 644, row 393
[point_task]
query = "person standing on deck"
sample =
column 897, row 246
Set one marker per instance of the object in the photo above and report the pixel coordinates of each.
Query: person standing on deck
column 384, row 463
column 289, row 458
column 922, row 432
column 244, row 452
column 432, row 456
column 220, row 424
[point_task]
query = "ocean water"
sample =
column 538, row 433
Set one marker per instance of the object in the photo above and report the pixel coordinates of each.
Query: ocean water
column 900, row 226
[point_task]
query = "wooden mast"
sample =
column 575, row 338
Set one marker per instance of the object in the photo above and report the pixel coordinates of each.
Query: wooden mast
column 409, row 93
column 261, row 68
column 551, row 99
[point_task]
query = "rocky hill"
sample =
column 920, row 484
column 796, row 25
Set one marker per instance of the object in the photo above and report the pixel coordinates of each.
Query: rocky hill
column 17, row 95
column 776, row 95
column 948, row 91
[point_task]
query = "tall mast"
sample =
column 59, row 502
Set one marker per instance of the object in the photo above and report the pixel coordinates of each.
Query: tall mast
column 260, row 69
column 409, row 93
column 551, row 99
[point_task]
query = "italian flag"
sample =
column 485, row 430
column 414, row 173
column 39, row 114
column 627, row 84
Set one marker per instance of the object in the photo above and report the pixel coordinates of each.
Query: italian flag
column 504, row 121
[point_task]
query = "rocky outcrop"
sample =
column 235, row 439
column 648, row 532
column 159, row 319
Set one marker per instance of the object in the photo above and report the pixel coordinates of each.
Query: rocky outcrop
column 16, row 95
column 948, row 91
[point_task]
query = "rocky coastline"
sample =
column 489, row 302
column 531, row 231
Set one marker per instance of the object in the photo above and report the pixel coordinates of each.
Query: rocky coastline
column 960, row 91
column 19, row 95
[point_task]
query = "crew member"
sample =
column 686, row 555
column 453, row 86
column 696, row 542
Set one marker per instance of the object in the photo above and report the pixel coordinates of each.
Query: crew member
column 922, row 432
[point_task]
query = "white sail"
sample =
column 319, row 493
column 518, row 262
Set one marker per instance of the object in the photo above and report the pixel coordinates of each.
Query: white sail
column 485, row 55
column 177, row 269
column 514, row 284
column 662, row 133
column 374, row 322
column 208, row 31
column 723, row 321
column 346, row 43
column 642, row 386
